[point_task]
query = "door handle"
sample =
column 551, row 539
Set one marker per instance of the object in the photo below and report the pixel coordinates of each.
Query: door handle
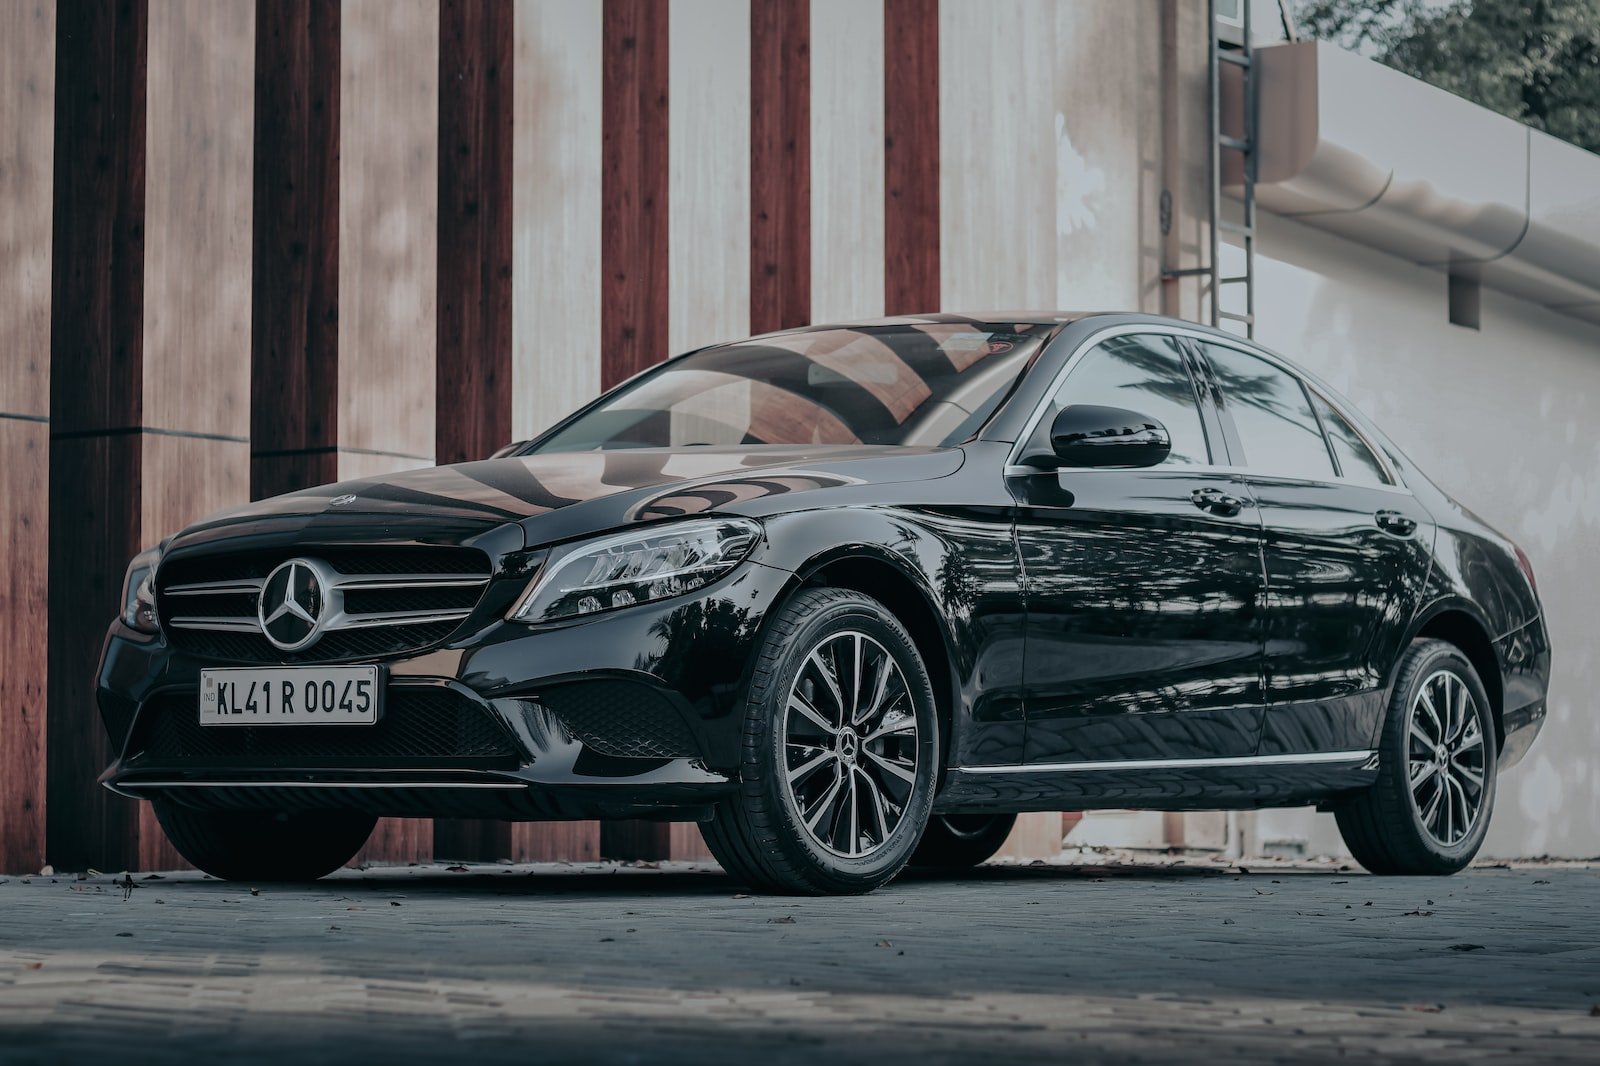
column 1217, row 502
column 1395, row 522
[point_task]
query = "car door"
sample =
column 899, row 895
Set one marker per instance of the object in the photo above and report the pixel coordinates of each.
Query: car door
column 1345, row 546
column 1143, row 586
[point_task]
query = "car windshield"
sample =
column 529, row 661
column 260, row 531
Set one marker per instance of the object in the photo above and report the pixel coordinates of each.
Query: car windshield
column 905, row 384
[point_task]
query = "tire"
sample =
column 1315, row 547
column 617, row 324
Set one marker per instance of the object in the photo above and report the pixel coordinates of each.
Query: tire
column 265, row 845
column 960, row 841
column 1395, row 828
column 797, row 838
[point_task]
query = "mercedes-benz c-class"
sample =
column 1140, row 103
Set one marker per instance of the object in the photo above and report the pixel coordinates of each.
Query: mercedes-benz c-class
column 851, row 597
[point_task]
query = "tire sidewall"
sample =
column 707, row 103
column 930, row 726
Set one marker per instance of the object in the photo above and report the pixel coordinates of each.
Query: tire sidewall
column 1395, row 755
column 864, row 615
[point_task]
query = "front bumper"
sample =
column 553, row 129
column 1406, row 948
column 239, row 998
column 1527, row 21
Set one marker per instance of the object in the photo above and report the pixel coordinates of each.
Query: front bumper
column 631, row 713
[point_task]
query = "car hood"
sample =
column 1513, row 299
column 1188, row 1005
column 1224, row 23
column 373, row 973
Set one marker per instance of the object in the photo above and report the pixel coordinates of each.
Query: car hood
column 561, row 495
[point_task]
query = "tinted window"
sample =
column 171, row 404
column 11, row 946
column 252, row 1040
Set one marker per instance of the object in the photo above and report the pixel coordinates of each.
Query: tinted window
column 1356, row 461
column 925, row 383
column 1143, row 374
column 1273, row 416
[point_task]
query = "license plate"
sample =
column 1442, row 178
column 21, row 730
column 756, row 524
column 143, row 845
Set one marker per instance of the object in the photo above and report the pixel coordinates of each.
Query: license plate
column 325, row 695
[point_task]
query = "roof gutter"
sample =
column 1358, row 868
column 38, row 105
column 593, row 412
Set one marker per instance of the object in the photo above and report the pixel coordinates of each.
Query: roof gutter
column 1363, row 151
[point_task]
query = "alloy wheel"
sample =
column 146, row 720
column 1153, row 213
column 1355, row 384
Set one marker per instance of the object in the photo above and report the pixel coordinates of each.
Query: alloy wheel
column 850, row 744
column 1445, row 757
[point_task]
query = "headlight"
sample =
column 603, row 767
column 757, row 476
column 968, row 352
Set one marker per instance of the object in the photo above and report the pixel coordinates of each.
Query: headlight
column 620, row 571
column 139, row 594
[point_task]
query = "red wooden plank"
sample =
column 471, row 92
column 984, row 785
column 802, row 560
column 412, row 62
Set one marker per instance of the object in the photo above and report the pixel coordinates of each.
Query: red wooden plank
column 474, row 277
column 780, row 164
column 633, row 193
column 24, row 605
column 294, row 355
column 911, row 156
column 96, row 356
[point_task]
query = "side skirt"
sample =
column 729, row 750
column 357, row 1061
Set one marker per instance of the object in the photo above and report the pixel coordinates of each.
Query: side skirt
column 1160, row 784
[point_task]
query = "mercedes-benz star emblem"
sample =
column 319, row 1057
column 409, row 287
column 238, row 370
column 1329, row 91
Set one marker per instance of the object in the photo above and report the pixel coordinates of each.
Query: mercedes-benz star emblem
column 292, row 603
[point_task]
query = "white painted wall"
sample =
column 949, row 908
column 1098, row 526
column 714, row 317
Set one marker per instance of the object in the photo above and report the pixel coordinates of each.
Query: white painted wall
column 1507, row 420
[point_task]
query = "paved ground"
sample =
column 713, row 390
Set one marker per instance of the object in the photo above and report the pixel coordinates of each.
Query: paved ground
column 1097, row 963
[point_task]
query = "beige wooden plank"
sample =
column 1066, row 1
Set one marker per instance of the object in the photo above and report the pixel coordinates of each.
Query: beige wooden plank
column 708, row 190
column 199, row 153
column 388, row 224
column 847, row 50
column 27, row 101
column 556, row 211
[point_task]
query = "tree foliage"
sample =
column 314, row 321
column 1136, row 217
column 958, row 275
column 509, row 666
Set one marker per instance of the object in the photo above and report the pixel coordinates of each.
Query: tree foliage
column 1537, row 61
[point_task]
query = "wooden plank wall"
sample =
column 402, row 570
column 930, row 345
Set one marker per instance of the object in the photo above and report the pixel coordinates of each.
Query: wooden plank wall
column 274, row 243
column 27, row 93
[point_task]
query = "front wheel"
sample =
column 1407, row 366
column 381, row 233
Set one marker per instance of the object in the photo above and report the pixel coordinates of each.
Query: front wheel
column 265, row 845
column 1429, row 809
column 840, row 744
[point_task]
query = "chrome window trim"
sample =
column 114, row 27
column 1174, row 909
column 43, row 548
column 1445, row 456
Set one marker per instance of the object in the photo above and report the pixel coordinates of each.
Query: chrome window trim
column 1013, row 468
column 1308, row 758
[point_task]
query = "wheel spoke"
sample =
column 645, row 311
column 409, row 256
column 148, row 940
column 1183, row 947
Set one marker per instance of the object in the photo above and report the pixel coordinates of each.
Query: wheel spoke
column 855, row 690
column 798, row 702
column 874, row 706
column 906, row 724
column 1430, row 812
column 828, row 671
column 1418, row 737
column 854, row 845
column 878, row 811
column 822, row 758
column 1421, row 772
column 908, row 776
column 1448, row 784
column 826, row 803
column 1468, row 775
column 1425, row 701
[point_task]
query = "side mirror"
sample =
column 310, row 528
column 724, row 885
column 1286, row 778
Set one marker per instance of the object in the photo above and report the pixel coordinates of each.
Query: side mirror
column 1087, row 435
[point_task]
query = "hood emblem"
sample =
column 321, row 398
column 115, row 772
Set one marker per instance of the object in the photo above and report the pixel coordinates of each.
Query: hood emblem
column 340, row 501
column 293, row 605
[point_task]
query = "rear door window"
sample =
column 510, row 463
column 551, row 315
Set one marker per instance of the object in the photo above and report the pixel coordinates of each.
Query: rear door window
column 1273, row 415
column 1356, row 461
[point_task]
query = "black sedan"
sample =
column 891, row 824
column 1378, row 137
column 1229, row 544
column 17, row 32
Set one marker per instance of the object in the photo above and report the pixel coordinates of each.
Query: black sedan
column 850, row 597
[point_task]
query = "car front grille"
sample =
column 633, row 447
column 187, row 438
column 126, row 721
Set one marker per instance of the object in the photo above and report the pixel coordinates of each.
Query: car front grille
column 380, row 601
column 421, row 727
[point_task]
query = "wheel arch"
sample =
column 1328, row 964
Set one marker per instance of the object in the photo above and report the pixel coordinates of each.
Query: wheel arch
column 875, row 572
column 1457, row 623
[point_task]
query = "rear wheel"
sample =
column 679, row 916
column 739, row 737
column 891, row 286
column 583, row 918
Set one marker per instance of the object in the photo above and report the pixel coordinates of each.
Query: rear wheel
column 1429, row 809
column 957, row 841
column 840, row 744
column 265, row 845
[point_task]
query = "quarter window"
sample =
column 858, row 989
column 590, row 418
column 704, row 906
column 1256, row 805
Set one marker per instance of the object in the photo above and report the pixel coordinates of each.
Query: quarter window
column 1356, row 461
column 1140, row 373
column 1273, row 415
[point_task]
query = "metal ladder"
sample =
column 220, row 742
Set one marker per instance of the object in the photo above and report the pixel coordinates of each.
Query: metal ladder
column 1241, row 54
